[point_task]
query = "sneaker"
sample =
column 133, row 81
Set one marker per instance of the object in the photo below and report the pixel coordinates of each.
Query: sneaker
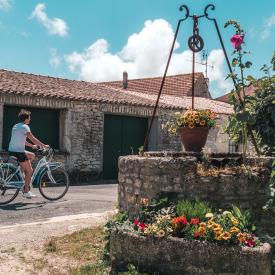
column 28, row 195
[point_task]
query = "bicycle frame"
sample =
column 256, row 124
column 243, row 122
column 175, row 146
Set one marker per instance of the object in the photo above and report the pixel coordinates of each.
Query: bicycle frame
column 42, row 166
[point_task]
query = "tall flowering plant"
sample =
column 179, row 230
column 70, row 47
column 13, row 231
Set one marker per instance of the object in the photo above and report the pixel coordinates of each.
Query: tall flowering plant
column 240, row 123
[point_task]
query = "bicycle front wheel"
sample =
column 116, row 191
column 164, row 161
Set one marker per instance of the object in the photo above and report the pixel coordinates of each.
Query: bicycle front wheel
column 8, row 192
column 54, row 183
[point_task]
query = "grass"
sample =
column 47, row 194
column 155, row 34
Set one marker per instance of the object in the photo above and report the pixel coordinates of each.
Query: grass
column 85, row 251
column 85, row 247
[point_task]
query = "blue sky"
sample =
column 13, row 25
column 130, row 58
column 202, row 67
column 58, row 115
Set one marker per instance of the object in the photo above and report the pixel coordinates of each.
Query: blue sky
column 97, row 40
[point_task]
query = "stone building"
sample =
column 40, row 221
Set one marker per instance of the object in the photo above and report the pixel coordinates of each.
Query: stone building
column 90, row 124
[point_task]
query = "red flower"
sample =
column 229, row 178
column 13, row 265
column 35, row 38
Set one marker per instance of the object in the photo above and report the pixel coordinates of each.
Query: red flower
column 236, row 41
column 196, row 234
column 194, row 221
column 136, row 222
column 142, row 225
column 180, row 221
column 250, row 243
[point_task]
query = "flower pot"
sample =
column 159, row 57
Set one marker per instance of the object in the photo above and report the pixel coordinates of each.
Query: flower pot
column 193, row 139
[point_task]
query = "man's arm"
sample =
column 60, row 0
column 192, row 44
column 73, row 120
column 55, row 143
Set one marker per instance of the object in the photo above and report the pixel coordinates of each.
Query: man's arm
column 31, row 145
column 34, row 140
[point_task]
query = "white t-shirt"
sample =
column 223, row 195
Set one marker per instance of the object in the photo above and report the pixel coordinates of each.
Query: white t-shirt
column 18, row 137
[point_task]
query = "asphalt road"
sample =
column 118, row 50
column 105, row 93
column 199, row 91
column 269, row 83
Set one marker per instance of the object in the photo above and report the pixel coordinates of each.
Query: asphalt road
column 78, row 200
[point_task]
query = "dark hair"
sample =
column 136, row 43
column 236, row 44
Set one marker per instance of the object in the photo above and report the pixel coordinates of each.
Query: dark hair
column 23, row 115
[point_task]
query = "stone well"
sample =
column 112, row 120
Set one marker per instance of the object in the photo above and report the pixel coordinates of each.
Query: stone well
column 177, row 256
column 162, row 173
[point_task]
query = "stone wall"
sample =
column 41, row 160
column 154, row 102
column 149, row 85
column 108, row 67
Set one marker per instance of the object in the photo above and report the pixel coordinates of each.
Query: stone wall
column 180, row 256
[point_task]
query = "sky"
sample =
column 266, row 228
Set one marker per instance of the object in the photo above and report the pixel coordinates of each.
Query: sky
column 96, row 40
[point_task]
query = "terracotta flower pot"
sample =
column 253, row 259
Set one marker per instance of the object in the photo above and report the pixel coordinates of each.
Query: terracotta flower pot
column 193, row 139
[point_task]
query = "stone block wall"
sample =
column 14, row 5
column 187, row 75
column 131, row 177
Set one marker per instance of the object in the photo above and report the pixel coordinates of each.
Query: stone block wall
column 180, row 256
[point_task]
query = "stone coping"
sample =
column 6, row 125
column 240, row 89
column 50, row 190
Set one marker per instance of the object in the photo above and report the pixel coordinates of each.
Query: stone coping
column 181, row 256
column 189, row 154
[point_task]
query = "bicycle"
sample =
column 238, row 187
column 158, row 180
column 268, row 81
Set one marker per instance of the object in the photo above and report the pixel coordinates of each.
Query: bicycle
column 50, row 177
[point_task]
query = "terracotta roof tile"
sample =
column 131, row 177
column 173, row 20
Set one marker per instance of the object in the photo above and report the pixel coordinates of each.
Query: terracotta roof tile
column 45, row 86
column 177, row 85
column 250, row 90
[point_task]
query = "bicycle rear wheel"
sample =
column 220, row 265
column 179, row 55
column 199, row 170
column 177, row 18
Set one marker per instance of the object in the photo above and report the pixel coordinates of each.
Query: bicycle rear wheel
column 8, row 192
column 54, row 183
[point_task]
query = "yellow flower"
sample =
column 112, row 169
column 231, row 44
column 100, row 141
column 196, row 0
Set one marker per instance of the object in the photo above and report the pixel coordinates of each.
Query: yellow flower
column 202, row 123
column 219, row 235
column 191, row 125
column 226, row 236
column 241, row 237
column 216, row 227
column 234, row 221
column 234, row 229
column 161, row 233
column 209, row 215
column 202, row 224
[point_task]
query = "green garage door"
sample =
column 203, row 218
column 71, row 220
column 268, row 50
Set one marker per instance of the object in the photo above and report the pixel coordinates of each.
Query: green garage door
column 123, row 135
column 44, row 125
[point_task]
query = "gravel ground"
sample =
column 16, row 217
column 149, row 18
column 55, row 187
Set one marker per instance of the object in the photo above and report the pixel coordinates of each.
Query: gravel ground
column 25, row 226
column 21, row 249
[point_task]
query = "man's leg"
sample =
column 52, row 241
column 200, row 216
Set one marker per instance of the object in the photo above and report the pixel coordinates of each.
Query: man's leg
column 27, row 168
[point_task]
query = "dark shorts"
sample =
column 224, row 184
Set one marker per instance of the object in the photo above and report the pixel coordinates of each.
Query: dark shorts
column 21, row 156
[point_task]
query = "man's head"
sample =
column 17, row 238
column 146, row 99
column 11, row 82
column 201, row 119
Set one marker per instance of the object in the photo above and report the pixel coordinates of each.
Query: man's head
column 24, row 116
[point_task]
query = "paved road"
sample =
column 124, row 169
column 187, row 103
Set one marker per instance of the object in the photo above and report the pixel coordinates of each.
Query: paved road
column 78, row 200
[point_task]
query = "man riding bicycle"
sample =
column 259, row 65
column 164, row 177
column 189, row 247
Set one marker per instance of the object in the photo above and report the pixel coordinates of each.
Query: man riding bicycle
column 20, row 132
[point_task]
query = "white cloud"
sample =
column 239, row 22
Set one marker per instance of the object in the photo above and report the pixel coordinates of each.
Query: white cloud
column 5, row 4
column 55, row 26
column 54, row 59
column 270, row 21
column 144, row 55
column 265, row 30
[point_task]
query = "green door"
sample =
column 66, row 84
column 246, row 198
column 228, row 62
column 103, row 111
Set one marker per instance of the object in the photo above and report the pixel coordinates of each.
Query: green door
column 44, row 125
column 123, row 135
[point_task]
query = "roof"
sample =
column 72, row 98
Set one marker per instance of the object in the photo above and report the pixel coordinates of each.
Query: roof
column 16, row 83
column 250, row 90
column 176, row 85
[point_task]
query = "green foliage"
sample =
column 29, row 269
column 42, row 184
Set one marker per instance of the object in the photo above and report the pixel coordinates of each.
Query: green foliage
column 161, row 206
column 132, row 270
column 91, row 269
column 191, row 209
column 51, row 246
column 263, row 110
column 244, row 218
column 141, row 150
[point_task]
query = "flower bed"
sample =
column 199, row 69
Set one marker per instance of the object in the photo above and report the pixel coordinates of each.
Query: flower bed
column 187, row 236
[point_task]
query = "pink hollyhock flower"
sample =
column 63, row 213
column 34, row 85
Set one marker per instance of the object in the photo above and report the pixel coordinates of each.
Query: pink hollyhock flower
column 236, row 41
column 136, row 222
